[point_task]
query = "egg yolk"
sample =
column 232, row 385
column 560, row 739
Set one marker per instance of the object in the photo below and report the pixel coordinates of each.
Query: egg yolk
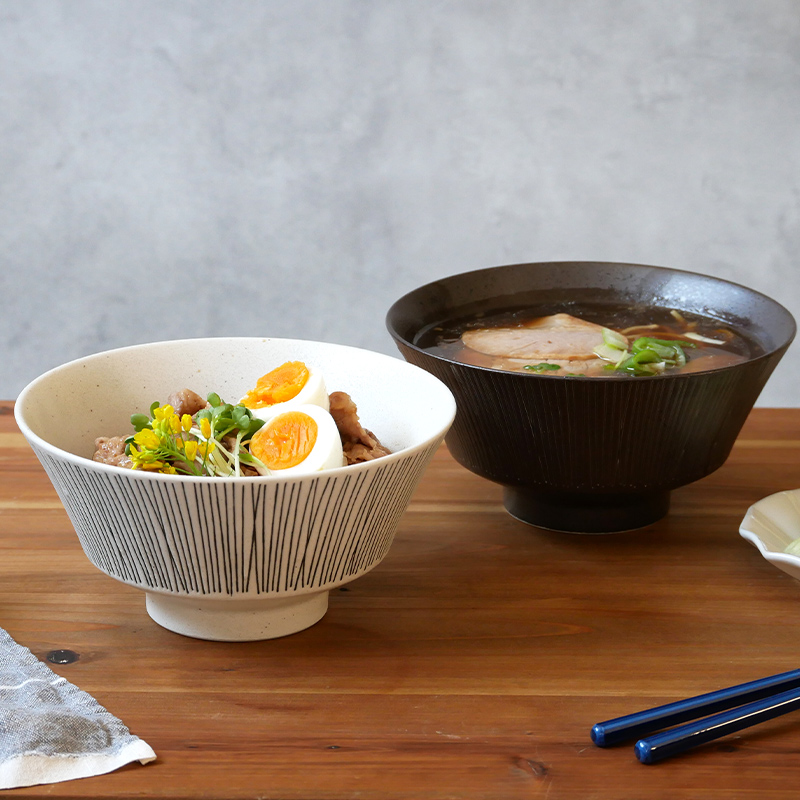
column 278, row 386
column 286, row 441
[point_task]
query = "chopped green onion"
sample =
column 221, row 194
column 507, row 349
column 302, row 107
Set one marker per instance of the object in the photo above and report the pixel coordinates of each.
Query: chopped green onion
column 653, row 346
column 645, row 362
column 614, row 339
column 614, row 347
column 609, row 353
column 651, row 356
column 543, row 367
column 647, row 356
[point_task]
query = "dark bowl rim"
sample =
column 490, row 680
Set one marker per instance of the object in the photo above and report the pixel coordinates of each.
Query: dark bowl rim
column 583, row 378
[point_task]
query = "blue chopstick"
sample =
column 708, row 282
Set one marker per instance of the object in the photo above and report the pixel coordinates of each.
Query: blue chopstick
column 677, row 740
column 635, row 726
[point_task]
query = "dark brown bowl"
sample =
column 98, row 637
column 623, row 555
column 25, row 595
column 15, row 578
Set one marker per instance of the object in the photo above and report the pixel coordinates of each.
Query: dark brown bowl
column 593, row 455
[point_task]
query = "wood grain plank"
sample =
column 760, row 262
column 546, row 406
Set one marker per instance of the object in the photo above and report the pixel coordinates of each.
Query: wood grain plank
column 471, row 663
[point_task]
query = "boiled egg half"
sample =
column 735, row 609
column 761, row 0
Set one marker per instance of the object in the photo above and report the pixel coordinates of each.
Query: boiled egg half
column 289, row 385
column 302, row 439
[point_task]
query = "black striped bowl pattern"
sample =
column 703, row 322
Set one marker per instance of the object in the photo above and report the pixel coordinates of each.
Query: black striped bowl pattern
column 231, row 538
column 593, row 455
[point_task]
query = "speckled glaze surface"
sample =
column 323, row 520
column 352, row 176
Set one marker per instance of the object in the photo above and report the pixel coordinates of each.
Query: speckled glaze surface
column 593, row 455
column 232, row 558
column 773, row 523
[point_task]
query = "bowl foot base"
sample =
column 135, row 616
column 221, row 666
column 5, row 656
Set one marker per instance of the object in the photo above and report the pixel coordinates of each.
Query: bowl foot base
column 586, row 513
column 236, row 620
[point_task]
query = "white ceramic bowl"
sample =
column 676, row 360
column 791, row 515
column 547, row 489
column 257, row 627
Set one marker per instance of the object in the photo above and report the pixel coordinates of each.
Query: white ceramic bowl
column 771, row 524
column 232, row 559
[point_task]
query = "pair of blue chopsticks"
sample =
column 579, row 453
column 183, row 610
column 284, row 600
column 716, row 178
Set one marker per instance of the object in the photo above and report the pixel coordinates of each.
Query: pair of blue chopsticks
column 730, row 710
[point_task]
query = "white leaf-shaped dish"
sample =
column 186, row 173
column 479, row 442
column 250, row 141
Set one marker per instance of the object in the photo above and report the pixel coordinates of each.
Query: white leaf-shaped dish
column 771, row 524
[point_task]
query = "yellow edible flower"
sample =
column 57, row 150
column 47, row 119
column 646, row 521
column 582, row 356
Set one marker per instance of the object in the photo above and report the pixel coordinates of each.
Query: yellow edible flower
column 147, row 439
column 145, row 459
column 165, row 420
column 204, row 448
column 162, row 412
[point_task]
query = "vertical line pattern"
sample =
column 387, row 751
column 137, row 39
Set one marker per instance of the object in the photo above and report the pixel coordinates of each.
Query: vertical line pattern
column 601, row 436
column 234, row 538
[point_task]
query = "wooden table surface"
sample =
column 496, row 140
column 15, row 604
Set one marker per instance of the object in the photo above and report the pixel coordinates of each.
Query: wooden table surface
column 471, row 663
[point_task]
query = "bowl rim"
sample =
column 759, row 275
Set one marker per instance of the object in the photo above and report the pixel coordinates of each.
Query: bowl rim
column 64, row 455
column 583, row 378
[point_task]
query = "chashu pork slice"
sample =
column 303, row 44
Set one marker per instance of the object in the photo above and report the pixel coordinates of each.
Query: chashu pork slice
column 559, row 337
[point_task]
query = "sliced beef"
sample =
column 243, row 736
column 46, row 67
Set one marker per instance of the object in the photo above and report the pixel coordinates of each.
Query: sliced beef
column 358, row 443
column 186, row 401
column 111, row 450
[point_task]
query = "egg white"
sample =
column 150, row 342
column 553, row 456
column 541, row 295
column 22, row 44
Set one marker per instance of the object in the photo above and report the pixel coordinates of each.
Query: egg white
column 314, row 392
column 327, row 450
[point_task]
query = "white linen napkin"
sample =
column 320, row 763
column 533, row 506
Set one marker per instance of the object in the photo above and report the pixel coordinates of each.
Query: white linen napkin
column 52, row 731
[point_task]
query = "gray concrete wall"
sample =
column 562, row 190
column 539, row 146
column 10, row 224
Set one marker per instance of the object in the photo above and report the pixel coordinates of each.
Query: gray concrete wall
column 174, row 168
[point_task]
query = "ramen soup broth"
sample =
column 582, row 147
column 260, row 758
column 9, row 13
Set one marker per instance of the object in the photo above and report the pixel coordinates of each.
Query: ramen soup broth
column 448, row 339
